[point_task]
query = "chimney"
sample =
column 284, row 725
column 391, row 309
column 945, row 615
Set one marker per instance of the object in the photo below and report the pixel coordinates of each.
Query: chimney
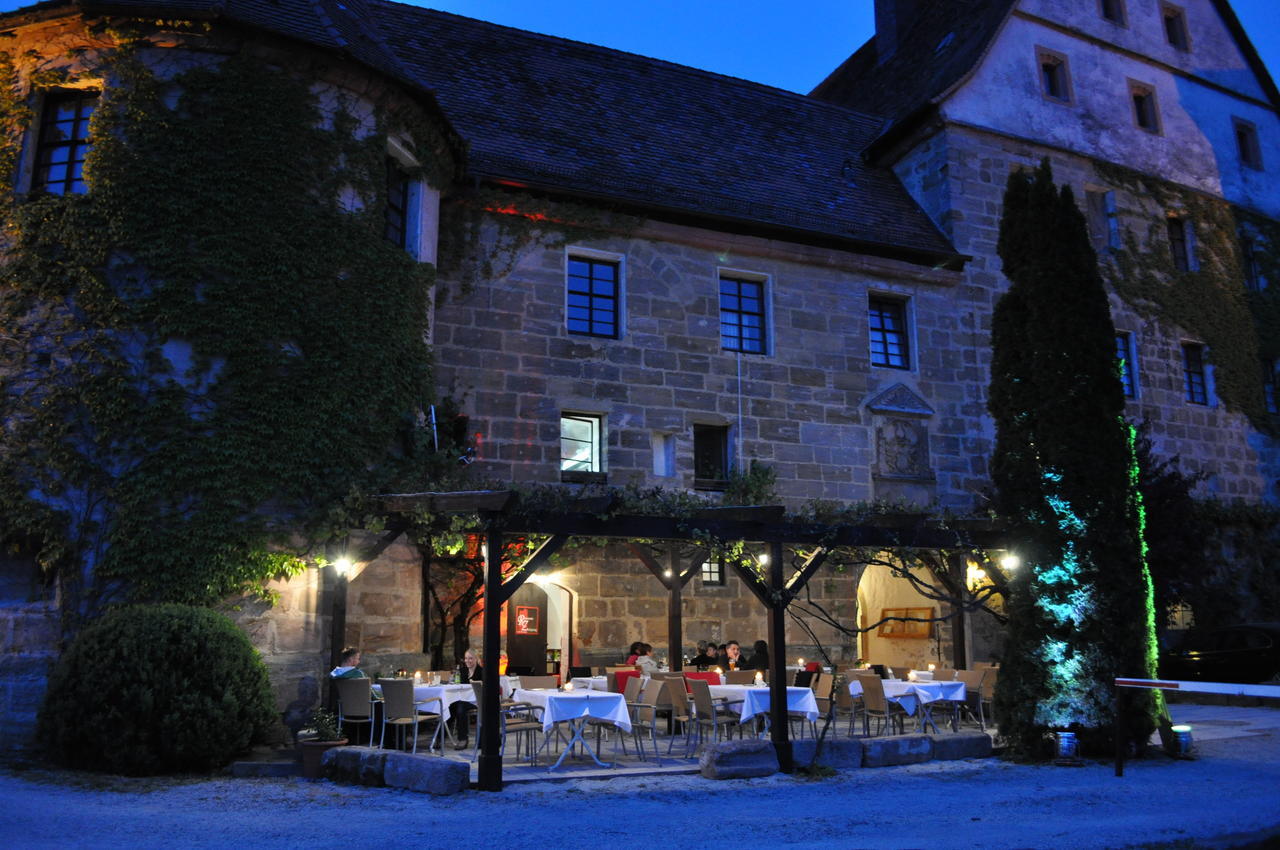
column 893, row 19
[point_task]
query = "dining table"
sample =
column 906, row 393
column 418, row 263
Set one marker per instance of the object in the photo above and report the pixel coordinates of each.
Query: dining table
column 591, row 683
column 916, row 698
column 752, row 700
column 574, row 708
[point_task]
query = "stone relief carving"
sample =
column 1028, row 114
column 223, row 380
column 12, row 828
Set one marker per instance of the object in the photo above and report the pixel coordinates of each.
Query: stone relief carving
column 902, row 434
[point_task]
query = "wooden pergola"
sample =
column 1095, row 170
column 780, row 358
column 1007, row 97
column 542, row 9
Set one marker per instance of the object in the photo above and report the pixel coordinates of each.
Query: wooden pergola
column 500, row 516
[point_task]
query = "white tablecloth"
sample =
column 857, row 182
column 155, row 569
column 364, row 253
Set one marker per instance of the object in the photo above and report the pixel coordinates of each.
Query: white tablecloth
column 591, row 683
column 447, row 694
column 752, row 700
column 558, row 706
column 910, row 695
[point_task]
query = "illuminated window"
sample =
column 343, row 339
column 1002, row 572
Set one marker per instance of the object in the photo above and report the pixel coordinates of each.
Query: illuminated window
column 713, row 573
column 63, row 142
column 887, row 329
column 1175, row 26
column 1194, row 377
column 1146, row 113
column 1112, row 10
column 594, row 289
column 1128, row 365
column 710, row 457
column 1055, row 83
column 581, row 447
column 1247, row 143
column 742, row 315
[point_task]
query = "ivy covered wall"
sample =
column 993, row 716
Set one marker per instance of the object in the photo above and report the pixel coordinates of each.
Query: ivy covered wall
column 214, row 347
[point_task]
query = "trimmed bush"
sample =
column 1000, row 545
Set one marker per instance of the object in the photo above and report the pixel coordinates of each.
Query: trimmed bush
column 156, row 689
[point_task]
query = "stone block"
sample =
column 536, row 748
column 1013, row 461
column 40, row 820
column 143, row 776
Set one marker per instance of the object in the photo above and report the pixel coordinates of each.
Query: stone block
column 962, row 745
column 355, row 765
column 896, row 749
column 739, row 759
column 840, row 753
column 426, row 774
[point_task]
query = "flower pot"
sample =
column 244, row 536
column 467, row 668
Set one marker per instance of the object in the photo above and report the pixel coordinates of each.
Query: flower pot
column 313, row 752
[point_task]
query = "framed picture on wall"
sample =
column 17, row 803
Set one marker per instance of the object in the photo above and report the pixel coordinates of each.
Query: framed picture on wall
column 917, row 625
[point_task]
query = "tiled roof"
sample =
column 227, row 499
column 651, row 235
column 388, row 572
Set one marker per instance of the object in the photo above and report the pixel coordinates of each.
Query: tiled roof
column 943, row 42
column 552, row 112
column 584, row 120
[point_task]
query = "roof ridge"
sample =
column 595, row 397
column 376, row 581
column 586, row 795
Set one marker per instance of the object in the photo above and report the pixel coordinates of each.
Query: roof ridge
column 742, row 81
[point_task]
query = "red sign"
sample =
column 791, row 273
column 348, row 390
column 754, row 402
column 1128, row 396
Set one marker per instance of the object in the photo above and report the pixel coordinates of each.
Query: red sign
column 526, row 619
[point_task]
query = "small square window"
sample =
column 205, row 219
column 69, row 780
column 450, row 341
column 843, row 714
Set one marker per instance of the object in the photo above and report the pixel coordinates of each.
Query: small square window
column 1175, row 26
column 710, row 457
column 581, row 447
column 593, row 291
column 742, row 315
column 1146, row 112
column 1113, row 11
column 1247, row 143
column 887, row 329
column 1127, row 364
column 713, row 573
column 63, row 142
column 1195, row 382
column 1055, row 82
column 1182, row 245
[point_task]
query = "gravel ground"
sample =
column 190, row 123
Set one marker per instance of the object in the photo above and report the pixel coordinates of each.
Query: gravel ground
column 1229, row 795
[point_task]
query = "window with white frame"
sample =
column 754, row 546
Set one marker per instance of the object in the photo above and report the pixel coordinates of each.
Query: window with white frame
column 581, row 446
column 712, row 573
column 888, row 332
column 743, row 314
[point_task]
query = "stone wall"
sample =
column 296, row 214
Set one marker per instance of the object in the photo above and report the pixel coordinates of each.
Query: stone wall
column 29, row 635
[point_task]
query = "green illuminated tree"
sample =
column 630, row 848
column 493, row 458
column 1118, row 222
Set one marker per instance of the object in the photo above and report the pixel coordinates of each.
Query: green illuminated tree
column 1080, row 610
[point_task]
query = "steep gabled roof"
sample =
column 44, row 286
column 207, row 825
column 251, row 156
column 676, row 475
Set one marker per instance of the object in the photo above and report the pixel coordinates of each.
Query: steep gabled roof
column 938, row 48
column 549, row 112
column 944, row 43
column 582, row 120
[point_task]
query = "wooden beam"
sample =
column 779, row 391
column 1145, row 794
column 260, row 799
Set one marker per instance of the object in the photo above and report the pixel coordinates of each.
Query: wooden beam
column 753, row 583
column 675, row 620
column 489, row 777
column 461, row 501
column 779, row 727
column 531, row 565
column 806, row 572
column 651, row 564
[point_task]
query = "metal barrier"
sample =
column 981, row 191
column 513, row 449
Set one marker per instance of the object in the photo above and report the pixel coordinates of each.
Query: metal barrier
column 1226, row 688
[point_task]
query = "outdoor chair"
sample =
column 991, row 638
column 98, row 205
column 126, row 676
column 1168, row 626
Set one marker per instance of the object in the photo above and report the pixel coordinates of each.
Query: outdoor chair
column 992, row 675
column 645, row 715
column 579, row 672
column 530, row 683
column 355, row 703
column 712, row 713
column 742, row 677
column 846, row 701
column 804, row 679
column 400, row 711
column 678, row 693
column 519, row 718
column 944, row 674
column 973, row 694
column 875, row 705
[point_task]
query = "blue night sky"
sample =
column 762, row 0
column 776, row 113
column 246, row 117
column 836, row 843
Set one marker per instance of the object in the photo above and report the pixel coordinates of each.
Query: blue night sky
column 789, row 45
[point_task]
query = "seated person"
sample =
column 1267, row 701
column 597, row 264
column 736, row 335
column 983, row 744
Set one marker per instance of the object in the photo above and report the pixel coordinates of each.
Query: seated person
column 731, row 658
column 460, row 712
column 349, row 667
column 635, row 651
column 759, row 657
column 702, row 660
column 645, row 661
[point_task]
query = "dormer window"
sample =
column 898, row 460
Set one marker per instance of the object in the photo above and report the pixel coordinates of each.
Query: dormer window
column 1175, row 26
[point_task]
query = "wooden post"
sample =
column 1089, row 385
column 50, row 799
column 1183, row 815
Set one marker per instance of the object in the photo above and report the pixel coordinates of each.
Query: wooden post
column 489, row 776
column 777, row 627
column 958, row 587
column 337, row 624
column 675, row 616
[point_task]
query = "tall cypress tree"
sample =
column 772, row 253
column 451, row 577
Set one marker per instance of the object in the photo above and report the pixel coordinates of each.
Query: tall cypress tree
column 1080, row 610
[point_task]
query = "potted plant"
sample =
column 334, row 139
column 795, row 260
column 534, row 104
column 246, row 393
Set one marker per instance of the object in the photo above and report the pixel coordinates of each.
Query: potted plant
column 327, row 735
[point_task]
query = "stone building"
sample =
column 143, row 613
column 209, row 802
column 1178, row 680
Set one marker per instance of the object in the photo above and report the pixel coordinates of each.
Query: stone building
column 687, row 273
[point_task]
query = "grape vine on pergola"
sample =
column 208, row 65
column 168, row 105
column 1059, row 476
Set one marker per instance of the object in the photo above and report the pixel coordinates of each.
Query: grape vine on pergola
column 501, row 515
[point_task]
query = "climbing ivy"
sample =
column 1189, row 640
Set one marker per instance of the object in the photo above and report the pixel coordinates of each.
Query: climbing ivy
column 1239, row 327
column 208, row 353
